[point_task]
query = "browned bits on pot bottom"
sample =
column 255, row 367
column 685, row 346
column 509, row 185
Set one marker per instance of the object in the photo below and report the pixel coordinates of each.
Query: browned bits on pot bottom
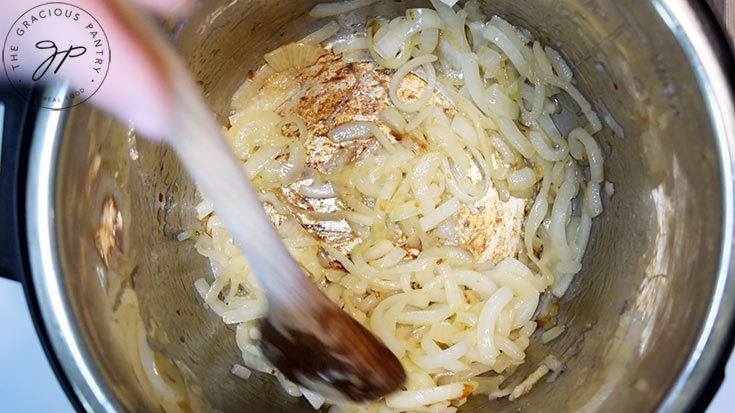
column 332, row 92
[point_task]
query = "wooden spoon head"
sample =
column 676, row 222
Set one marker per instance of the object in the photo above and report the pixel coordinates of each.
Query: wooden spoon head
column 327, row 351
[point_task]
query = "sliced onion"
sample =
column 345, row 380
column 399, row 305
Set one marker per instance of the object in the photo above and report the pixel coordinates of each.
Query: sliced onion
column 593, row 151
column 594, row 200
column 514, row 136
column 420, row 180
column 455, row 21
column 450, row 59
column 394, row 39
column 426, row 113
column 241, row 371
column 475, row 86
column 559, row 250
column 378, row 250
column 434, row 314
column 559, row 64
column 609, row 189
column 294, row 55
column 584, row 105
column 404, row 70
column 416, row 20
column 414, row 399
column 538, row 100
column 376, row 29
column 351, row 130
column 517, row 35
column 546, row 150
column 474, row 12
column 315, row 400
column 489, row 61
column 478, row 40
column 324, row 33
column 355, row 43
column 249, row 90
column 553, row 363
column 543, row 65
column 509, row 155
column 428, row 41
column 486, row 347
column 552, row 333
column 393, row 119
column 462, row 126
column 435, row 217
column 259, row 159
column 247, row 310
column 583, row 235
column 459, row 192
column 548, row 126
column 500, row 104
column 360, row 130
column 515, row 55
column 521, row 179
column 453, row 255
column 445, row 358
column 393, row 257
column 293, row 168
column 321, row 191
column 535, row 217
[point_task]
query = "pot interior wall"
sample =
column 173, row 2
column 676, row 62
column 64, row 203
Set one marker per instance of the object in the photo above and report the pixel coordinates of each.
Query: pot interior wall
column 632, row 314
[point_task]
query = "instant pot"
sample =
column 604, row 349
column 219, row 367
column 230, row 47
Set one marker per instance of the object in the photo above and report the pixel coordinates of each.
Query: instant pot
column 90, row 215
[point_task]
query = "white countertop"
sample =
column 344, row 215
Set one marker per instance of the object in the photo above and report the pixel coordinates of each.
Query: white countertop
column 27, row 383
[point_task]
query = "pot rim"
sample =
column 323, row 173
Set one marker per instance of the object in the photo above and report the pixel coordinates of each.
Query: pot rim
column 710, row 53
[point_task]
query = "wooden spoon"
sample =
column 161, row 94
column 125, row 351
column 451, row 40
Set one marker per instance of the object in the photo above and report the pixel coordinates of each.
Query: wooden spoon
column 305, row 335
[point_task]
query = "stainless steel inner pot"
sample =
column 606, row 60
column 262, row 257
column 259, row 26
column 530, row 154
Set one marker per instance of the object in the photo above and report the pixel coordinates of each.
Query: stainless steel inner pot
column 647, row 318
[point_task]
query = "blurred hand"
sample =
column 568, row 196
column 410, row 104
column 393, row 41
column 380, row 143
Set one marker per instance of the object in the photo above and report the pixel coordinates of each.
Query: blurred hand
column 132, row 91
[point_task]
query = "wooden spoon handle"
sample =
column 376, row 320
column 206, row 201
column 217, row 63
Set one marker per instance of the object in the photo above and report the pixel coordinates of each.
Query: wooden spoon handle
column 306, row 335
column 220, row 177
column 197, row 140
